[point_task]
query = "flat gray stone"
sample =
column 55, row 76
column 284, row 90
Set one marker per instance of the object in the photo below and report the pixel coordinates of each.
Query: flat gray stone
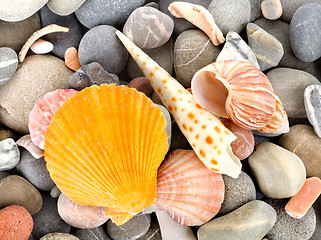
column 97, row 233
column 255, row 9
column 9, row 154
column 312, row 103
column 153, row 232
column 8, row 64
column 317, row 208
column 63, row 7
column 290, row 7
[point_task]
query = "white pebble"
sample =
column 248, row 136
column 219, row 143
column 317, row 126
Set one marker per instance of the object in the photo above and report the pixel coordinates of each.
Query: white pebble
column 41, row 47
column 9, row 154
column 271, row 9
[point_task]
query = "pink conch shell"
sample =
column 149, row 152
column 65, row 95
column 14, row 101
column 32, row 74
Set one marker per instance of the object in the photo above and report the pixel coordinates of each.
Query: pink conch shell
column 200, row 17
column 235, row 90
column 38, row 34
column 71, row 59
column 187, row 190
column 40, row 116
column 207, row 135
column 27, row 143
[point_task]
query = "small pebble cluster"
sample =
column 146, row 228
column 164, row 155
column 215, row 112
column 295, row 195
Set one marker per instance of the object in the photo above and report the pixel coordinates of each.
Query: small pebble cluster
column 51, row 49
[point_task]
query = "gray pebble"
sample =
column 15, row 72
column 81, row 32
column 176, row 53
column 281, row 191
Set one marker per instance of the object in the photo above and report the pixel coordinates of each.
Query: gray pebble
column 100, row 44
column 8, row 64
column 55, row 192
column 312, row 103
column 153, row 232
column 255, row 9
column 9, row 154
column 152, row 4
column 3, row 175
column 290, row 7
column 317, row 208
column 97, row 233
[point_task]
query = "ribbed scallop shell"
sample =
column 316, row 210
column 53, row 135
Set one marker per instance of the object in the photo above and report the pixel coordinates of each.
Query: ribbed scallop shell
column 236, row 90
column 104, row 146
column 190, row 192
column 40, row 116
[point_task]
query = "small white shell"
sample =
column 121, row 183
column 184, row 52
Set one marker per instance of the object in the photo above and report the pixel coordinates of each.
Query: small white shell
column 41, row 47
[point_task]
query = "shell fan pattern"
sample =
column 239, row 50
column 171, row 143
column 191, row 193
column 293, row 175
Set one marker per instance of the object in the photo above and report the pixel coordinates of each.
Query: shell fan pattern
column 103, row 148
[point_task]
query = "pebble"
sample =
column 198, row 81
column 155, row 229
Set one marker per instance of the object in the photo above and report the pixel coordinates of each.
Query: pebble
column 38, row 75
column 91, row 74
column 152, row 4
column 237, row 192
column 6, row 133
column 35, row 171
column 290, row 7
column 287, row 227
column 267, row 49
column 18, row 10
column 278, row 172
column 141, row 84
column 168, row 123
column 235, row 48
column 15, row 190
column 80, row 216
column 47, row 220
column 289, row 84
column 153, row 232
column 156, row 99
column 15, row 34
column 162, row 55
column 3, row 175
column 15, row 223
column 8, row 64
column 59, row 236
column 9, row 154
column 317, row 208
column 255, row 9
column 100, row 44
column 305, row 32
column 302, row 141
column 106, row 12
column 230, row 15
column 251, row 222
column 148, row 27
column 97, row 233
column 64, row 8
column 61, row 40
column 312, row 103
column 193, row 50
column 41, row 47
column 178, row 140
column 133, row 229
column 55, row 192
column 271, row 9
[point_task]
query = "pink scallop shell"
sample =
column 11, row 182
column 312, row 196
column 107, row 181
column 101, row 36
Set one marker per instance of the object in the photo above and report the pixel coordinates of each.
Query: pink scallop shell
column 40, row 116
column 190, row 192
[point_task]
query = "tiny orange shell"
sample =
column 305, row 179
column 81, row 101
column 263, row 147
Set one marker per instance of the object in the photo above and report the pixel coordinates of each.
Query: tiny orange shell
column 71, row 59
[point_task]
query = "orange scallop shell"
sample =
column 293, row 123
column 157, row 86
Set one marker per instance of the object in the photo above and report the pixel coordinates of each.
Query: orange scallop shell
column 104, row 146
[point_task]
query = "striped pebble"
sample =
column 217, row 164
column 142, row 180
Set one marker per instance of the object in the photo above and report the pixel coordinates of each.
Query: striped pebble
column 8, row 64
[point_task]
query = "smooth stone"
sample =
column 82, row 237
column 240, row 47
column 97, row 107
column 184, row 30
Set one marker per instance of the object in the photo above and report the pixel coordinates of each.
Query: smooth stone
column 15, row 190
column 7, row 133
column 3, row 175
column 63, row 7
column 106, row 12
column 290, row 7
column 302, row 141
column 271, row 9
column 251, row 222
column 9, row 154
column 47, row 220
column 8, row 64
column 15, row 34
column 18, row 10
column 178, row 140
column 312, row 103
column 287, row 227
column 148, row 27
column 289, row 84
column 55, row 192
column 80, row 216
column 235, row 48
column 15, row 223
column 305, row 32
column 180, row 24
column 41, row 47
column 35, row 171
column 59, row 236
column 255, row 9
column 237, row 192
column 162, row 55
column 278, row 172
column 168, row 123
column 230, row 15
column 37, row 75
column 133, row 229
column 152, row 4
column 61, row 40
column 97, row 233
column 156, row 99
column 267, row 49
column 91, row 74
column 317, row 208
column 101, row 45
column 193, row 50
column 141, row 84
column 153, row 232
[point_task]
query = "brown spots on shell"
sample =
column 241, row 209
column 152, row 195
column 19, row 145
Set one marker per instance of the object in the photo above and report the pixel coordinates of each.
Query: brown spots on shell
column 156, row 68
column 193, row 145
column 226, row 132
column 183, row 109
column 213, row 161
column 148, row 58
column 180, row 91
column 159, row 90
column 203, row 126
column 135, row 59
column 191, row 115
column 170, row 108
column 221, row 139
column 196, row 121
column 209, row 140
column 214, row 169
column 198, row 106
column 164, row 100
column 151, row 74
column 190, row 129
column 215, row 147
column 178, row 119
column 137, row 55
column 175, row 108
column 164, row 81
column 144, row 63
column 217, row 129
column 189, row 101
column 181, row 99
column 197, row 136
column 165, row 87
column 219, row 152
column 202, row 153
column 184, row 126
column 174, row 99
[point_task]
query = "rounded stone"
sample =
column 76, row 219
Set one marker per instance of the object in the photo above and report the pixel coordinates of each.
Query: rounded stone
column 37, row 75
column 7, row 133
column 255, row 9
column 230, row 15
column 290, row 7
column 193, row 50
column 312, row 103
column 305, row 32
column 15, row 190
column 287, row 227
column 8, row 64
column 100, row 44
column 289, row 84
column 3, row 175
column 141, row 84
column 9, row 154
column 278, row 172
column 63, row 7
column 97, row 233
column 35, row 171
column 106, row 12
column 59, row 236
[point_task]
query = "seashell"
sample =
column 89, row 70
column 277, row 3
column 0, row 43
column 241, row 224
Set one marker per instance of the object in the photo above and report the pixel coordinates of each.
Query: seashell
column 206, row 134
column 38, row 34
column 71, row 59
column 236, row 90
column 41, row 47
column 41, row 114
column 27, row 143
column 200, row 17
column 103, row 148
column 187, row 190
